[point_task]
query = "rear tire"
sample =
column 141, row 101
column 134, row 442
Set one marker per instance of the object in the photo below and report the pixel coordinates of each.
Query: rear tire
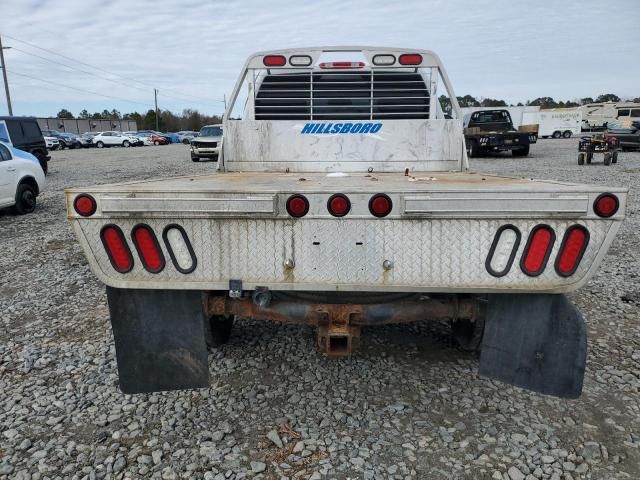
column 25, row 199
column 100, row 145
column 186, row 141
column 566, row 134
column 614, row 157
column 557, row 134
column 156, row 143
column 126, row 144
column 472, row 149
column 581, row 159
column 607, row 158
column 218, row 330
column 468, row 334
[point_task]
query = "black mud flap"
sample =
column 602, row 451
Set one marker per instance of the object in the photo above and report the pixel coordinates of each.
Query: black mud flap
column 535, row 341
column 159, row 336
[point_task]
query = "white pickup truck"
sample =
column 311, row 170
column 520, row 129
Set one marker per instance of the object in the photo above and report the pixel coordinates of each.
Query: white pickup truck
column 342, row 198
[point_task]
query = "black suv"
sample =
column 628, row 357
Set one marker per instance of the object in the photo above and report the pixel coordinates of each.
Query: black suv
column 24, row 133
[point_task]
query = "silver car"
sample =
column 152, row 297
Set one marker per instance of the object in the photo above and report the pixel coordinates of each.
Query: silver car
column 207, row 144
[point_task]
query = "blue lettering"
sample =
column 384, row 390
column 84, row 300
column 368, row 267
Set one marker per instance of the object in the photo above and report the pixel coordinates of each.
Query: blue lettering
column 340, row 128
column 366, row 127
column 346, row 127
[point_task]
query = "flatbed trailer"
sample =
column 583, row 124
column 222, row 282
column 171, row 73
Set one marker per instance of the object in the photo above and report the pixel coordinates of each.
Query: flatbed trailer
column 342, row 198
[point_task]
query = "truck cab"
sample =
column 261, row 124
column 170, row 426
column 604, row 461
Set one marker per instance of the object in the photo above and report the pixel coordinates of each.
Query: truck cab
column 342, row 198
column 493, row 131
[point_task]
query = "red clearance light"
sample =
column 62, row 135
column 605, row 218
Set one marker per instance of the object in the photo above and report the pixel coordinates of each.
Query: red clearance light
column 341, row 65
column 85, row 205
column 536, row 252
column 338, row 205
column 410, row 59
column 116, row 248
column 297, row 206
column 573, row 246
column 274, row 61
column 148, row 248
column 606, row 205
column 380, row 205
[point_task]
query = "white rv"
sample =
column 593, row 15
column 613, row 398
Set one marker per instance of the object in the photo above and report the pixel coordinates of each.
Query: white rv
column 597, row 115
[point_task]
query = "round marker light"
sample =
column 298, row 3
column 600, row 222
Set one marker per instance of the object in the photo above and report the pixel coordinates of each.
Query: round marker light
column 338, row 205
column 297, row 206
column 606, row 205
column 85, row 205
column 380, row 205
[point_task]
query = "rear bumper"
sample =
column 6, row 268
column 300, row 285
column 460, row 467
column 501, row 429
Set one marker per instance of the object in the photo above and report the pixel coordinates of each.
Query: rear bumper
column 437, row 255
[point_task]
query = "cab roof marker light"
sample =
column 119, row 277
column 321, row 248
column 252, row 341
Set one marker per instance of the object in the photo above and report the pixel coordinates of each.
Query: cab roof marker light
column 274, row 61
column 410, row 59
column 300, row 60
column 340, row 65
column 384, row 60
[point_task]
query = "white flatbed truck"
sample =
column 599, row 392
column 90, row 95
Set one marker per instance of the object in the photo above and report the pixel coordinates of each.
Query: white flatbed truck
column 342, row 198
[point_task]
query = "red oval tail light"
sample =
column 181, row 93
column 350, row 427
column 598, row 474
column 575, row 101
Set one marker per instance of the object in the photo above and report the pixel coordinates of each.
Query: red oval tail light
column 338, row 205
column 85, row 205
column 537, row 251
column 573, row 246
column 380, row 205
column 117, row 248
column 148, row 248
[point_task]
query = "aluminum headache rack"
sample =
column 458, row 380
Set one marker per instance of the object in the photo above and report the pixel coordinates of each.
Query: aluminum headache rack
column 381, row 103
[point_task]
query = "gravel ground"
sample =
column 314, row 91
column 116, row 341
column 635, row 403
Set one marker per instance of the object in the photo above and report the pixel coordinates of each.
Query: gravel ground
column 408, row 405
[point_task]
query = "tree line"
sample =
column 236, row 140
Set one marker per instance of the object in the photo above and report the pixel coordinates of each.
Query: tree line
column 192, row 119
column 167, row 121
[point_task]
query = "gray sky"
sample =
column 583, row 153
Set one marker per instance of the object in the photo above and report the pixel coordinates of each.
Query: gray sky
column 193, row 51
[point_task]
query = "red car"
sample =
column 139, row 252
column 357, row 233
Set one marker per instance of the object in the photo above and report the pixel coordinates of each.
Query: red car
column 158, row 140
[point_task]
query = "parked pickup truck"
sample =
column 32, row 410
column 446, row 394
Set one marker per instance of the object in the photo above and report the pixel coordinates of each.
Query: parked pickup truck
column 342, row 199
column 493, row 131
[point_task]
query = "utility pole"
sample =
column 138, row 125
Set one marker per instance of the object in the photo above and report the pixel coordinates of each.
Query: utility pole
column 155, row 94
column 4, row 75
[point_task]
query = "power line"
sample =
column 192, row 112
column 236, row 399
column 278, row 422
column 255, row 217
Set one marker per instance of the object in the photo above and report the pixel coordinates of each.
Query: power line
column 13, row 72
column 100, row 69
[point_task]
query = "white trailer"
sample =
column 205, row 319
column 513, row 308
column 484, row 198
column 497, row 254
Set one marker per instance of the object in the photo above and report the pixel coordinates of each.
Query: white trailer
column 343, row 199
column 556, row 122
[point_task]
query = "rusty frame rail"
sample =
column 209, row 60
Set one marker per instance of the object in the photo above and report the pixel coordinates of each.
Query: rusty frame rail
column 339, row 323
